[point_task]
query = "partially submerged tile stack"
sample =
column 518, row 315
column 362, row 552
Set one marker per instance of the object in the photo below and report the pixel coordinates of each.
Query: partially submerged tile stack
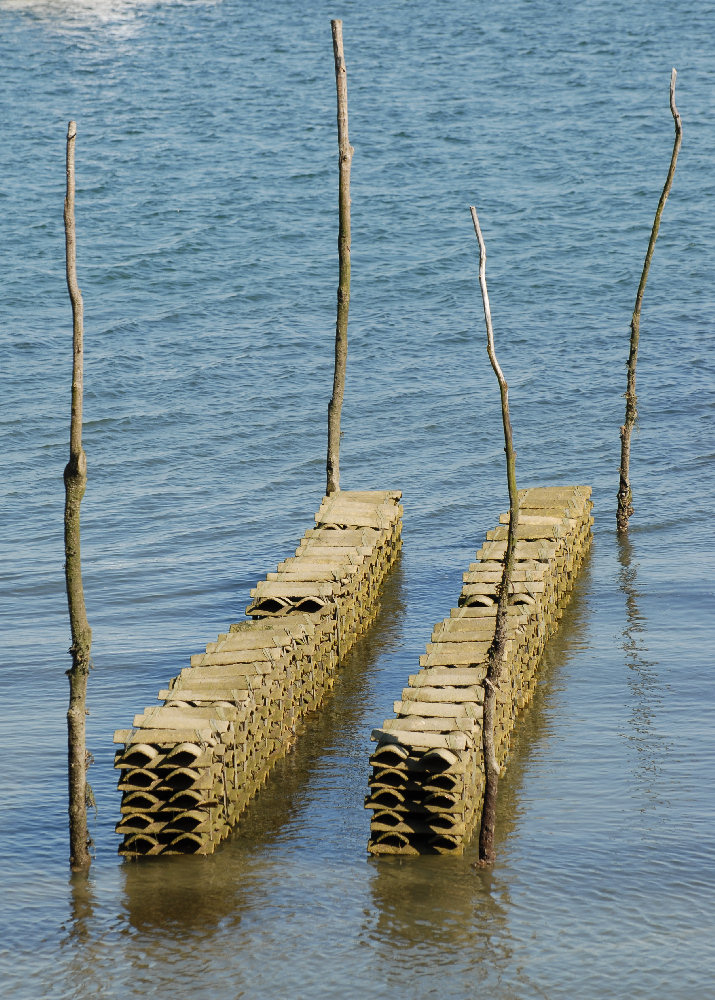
column 426, row 788
column 190, row 765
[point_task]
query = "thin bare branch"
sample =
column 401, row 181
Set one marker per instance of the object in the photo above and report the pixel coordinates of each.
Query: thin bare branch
column 75, row 477
column 345, row 154
column 75, row 298
column 625, row 496
column 497, row 651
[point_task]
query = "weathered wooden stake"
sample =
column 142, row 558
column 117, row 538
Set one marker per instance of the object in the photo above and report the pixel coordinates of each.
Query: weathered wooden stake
column 625, row 506
column 75, row 477
column 345, row 155
column 497, row 650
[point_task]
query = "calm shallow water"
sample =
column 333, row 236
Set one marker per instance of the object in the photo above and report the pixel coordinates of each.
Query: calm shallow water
column 206, row 193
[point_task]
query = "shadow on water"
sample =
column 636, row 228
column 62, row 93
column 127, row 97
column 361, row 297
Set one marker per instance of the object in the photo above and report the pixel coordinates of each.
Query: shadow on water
column 194, row 893
column 447, row 909
column 647, row 689
column 534, row 727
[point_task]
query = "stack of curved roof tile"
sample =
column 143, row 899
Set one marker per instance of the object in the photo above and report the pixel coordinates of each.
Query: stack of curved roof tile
column 190, row 765
column 427, row 782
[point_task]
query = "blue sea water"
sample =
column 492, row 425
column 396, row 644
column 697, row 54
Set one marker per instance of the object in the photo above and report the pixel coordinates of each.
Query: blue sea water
column 207, row 222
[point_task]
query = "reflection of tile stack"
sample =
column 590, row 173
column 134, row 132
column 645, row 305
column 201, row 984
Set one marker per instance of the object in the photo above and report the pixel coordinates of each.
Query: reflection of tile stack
column 427, row 781
column 190, row 765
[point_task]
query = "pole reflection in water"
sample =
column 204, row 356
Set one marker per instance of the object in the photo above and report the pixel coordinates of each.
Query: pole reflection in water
column 81, row 909
column 647, row 689
column 82, row 944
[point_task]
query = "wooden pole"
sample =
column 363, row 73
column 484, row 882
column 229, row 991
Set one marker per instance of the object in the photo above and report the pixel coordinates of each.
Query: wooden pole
column 345, row 155
column 75, row 477
column 497, row 651
column 625, row 496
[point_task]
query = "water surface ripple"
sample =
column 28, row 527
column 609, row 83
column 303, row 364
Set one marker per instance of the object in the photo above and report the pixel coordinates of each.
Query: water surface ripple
column 206, row 215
